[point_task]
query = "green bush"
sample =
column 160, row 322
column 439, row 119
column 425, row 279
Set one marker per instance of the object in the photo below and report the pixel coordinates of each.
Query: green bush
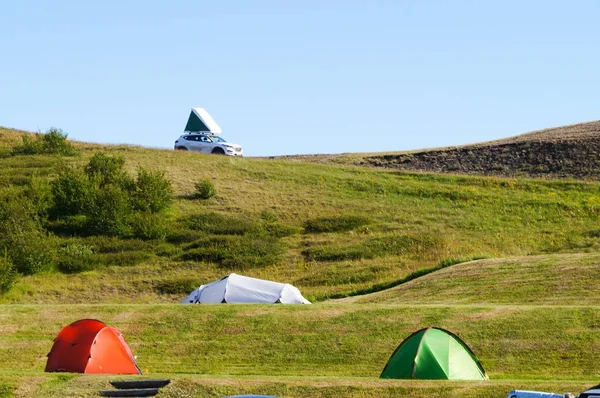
column 335, row 224
column 8, row 274
column 153, row 191
column 205, row 189
column 21, row 236
column 219, row 224
column 75, row 258
column 71, row 193
column 38, row 192
column 148, row 226
column 53, row 142
column 111, row 202
column 109, row 212
column 104, row 170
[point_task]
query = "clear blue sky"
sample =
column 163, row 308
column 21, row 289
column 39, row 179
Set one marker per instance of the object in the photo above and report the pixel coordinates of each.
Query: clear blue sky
column 290, row 77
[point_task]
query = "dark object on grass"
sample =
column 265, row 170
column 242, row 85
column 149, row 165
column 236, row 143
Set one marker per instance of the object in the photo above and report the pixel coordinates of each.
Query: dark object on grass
column 591, row 392
column 133, row 384
column 134, row 392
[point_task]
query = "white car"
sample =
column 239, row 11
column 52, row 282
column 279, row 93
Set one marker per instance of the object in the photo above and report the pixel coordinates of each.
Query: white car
column 207, row 143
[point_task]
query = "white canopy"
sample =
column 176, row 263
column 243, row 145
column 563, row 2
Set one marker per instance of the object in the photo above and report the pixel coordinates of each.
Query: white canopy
column 238, row 289
column 201, row 121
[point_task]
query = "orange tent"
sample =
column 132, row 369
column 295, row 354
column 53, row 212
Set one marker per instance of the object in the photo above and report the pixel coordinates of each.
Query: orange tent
column 90, row 346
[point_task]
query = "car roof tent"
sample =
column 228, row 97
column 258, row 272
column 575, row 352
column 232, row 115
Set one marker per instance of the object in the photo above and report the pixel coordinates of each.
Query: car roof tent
column 201, row 122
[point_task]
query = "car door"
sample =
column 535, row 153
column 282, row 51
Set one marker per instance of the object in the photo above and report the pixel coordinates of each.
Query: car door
column 205, row 143
column 192, row 143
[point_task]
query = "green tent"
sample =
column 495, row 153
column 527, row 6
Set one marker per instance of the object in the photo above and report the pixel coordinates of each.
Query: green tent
column 433, row 353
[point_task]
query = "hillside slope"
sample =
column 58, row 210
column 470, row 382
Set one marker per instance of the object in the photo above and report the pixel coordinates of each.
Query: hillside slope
column 560, row 279
column 331, row 230
column 564, row 152
column 335, row 229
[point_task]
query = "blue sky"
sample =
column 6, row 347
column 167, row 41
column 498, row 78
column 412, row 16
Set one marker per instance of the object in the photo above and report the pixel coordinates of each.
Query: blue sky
column 299, row 77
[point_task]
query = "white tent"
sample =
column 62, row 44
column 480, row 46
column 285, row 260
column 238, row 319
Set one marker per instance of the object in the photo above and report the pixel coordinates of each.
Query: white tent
column 237, row 289
column 200, row 121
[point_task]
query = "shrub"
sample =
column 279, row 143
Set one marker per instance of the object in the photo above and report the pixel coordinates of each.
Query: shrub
column 8, row 274
column 71, row 193
column 53, row 142
column 75, row 258
column 219, row 224
column 39, row 193
column 335, row 224
column 109, row 199
column 21, row 236
column 109, row 212
column 149, row 226
column 153, row 191
column 30, row 146
column 103, row 170
column 205, row 189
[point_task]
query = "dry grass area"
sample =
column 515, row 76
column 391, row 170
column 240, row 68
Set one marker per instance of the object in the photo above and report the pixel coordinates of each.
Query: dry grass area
column 560, row 152
column 573, row 132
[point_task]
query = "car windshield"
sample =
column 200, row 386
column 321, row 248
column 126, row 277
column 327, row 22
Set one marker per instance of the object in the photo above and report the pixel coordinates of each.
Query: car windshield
column 218, row 139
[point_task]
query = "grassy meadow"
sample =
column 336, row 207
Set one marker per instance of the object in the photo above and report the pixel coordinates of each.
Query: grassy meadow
column 509, row 265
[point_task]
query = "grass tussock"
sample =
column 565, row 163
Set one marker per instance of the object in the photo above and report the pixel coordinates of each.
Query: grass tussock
column 335, row 224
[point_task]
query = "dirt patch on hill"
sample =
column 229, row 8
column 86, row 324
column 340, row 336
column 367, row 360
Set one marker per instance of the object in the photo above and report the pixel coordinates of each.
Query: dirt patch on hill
column 564, row 152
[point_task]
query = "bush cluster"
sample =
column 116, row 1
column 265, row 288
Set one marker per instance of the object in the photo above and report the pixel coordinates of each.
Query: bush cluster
column 205, row 189
column 75, row 258
column 8, row 274
column 110, row 201
column 53, row 142
column 22, row 237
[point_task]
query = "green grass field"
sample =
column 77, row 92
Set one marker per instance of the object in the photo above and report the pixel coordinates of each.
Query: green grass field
column 527, row 305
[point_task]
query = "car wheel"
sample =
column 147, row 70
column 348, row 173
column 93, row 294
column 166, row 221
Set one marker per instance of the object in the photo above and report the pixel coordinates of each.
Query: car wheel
column 181, row 148
column 218, row 151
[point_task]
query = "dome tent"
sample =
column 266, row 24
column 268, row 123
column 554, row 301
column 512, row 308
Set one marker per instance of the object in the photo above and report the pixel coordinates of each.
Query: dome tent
column 433, row 353
column 238, row 289
column 90, row 346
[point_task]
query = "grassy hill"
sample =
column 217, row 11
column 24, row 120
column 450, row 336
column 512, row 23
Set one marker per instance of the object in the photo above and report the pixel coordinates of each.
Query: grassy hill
column 564, row 152
column 561, row 152
column 334, row 230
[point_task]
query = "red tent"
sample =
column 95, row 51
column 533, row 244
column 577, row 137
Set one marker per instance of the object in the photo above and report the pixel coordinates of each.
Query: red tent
column 90, row 346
